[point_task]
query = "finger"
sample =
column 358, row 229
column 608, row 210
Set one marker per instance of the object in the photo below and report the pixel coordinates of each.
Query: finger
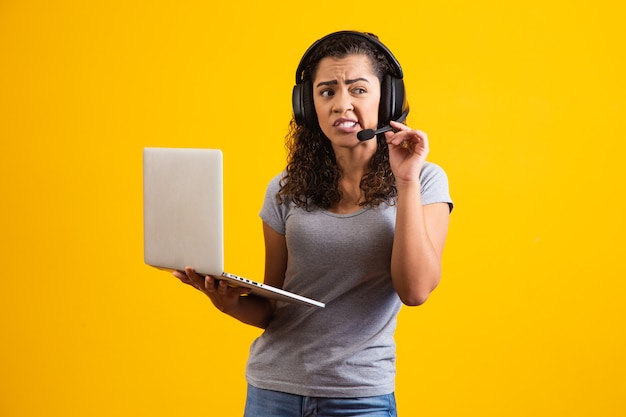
column 222, row 287
column 399, row 126
column 195, row 279
column 409, row 139
column 210, row 283
column 182, row 276
column 423, row 139
column 403, row 139
column 421, row 135
column 191, row 273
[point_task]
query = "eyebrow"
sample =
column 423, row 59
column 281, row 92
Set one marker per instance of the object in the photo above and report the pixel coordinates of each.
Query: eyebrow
column 335, row 82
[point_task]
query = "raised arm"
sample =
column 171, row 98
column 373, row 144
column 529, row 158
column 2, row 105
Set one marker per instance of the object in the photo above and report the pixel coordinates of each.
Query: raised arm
column 421, row 230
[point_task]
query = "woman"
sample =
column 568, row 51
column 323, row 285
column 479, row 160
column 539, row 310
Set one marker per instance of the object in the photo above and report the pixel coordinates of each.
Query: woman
column 357, row 224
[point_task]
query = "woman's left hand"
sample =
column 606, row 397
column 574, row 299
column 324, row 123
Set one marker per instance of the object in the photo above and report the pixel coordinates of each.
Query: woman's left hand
column 408, row 149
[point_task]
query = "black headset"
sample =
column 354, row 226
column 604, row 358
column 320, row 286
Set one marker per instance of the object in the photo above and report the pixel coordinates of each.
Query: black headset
column 393, row 104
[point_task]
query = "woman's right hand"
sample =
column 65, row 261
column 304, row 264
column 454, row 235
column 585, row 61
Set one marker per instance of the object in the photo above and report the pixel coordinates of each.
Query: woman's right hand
column 225, row 297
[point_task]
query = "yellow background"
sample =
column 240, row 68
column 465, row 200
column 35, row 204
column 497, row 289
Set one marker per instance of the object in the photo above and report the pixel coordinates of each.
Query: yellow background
column 524, row 104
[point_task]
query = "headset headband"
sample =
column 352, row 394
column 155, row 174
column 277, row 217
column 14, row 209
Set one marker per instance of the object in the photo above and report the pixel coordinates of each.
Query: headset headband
column 393, row 62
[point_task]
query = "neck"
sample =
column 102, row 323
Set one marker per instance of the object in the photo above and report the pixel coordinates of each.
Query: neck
column 350, row 186
column 354, row 163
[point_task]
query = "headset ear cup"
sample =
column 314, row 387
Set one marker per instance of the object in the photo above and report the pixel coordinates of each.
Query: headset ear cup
column 297, row 105
column 392, row 100
column 400, row 105
column 303, row 106
column 308, row 106
column 385, row 108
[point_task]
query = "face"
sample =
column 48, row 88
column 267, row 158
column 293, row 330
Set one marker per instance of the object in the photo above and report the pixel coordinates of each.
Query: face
column 346, row 94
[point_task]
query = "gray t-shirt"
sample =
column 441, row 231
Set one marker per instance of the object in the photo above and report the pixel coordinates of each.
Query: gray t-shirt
column 346, row 349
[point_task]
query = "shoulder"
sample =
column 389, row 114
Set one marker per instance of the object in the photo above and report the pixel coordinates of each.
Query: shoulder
column 274, row 184
column 432, row 170
column 433, row 174
column 273, row 212
column 434, row 184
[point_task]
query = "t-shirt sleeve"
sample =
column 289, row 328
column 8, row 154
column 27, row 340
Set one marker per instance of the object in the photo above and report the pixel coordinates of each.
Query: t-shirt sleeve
column 435, row 188
column 273, row 212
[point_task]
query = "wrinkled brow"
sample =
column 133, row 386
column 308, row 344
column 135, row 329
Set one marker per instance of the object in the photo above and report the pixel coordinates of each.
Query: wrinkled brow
column 335, row 82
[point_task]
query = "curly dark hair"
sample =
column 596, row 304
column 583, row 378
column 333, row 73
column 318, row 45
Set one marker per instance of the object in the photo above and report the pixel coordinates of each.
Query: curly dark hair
column 312, row 175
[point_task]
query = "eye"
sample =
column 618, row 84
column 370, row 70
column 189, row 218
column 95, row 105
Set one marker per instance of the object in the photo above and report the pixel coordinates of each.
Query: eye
column 327, row 93
column 359, row 90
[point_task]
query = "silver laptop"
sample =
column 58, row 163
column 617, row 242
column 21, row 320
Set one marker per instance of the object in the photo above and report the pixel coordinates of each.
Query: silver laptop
column 183, row 217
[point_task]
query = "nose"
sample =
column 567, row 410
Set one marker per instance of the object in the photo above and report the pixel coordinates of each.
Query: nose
column 342, row 102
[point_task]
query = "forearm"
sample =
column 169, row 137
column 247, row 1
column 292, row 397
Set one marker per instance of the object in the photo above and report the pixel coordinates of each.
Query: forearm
column 253, row 310
column 415, row 261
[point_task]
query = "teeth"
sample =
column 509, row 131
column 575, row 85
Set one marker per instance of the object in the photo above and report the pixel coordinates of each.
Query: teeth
column 347, row 124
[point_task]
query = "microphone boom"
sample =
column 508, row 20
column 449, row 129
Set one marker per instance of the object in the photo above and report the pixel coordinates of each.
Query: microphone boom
column 368, row 134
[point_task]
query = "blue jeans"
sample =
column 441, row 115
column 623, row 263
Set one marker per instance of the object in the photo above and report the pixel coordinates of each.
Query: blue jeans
column 265, row 403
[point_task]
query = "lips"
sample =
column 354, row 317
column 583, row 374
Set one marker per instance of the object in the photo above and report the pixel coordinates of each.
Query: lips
column 347, row 125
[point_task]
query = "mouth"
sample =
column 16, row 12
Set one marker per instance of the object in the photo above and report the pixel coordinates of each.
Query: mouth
column 346, row 125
